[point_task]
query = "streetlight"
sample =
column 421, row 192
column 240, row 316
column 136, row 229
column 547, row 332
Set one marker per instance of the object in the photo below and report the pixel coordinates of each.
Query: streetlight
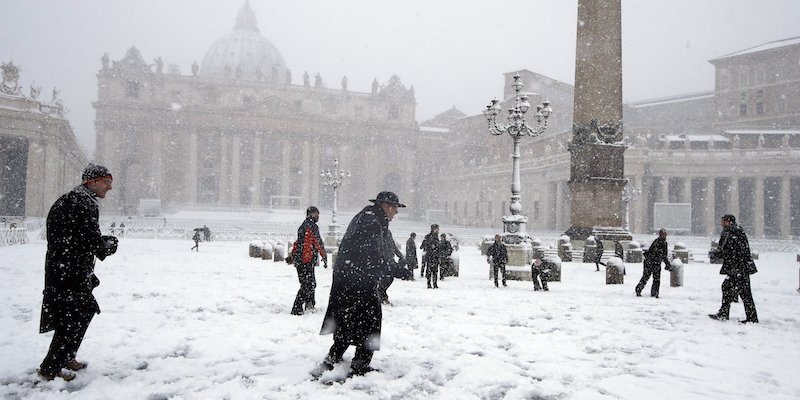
column 517, row 128
column 334, row 179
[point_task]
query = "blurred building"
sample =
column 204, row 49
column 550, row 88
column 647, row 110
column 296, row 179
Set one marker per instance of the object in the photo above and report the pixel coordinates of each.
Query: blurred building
column 735, row 149
column 39, row 154
column 241, row 132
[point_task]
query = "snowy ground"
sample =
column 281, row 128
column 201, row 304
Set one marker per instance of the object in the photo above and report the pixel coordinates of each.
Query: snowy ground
column 215, row 325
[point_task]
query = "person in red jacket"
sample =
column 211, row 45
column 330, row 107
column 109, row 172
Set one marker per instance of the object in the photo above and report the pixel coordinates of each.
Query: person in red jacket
column 305, row 251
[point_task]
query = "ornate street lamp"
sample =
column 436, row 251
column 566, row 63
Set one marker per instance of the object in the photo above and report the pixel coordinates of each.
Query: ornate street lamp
column 517, row 127
column 334, row 179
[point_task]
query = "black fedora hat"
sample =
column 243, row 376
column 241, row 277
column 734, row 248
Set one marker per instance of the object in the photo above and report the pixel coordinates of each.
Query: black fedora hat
column 388, row 197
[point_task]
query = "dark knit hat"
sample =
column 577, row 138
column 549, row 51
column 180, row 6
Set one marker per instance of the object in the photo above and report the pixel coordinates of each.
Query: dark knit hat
column 94, row 171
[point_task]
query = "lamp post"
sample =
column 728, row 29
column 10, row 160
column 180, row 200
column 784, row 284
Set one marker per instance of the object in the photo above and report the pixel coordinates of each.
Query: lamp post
column 628, row 195
column 517, row 127
column 334, row 179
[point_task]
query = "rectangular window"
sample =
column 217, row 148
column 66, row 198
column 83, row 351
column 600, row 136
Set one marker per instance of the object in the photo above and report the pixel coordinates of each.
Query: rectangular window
column 760, row 108
column 132, row 89
column 742, row 110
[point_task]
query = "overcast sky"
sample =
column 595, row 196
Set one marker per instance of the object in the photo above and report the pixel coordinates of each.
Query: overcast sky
column 454, row 52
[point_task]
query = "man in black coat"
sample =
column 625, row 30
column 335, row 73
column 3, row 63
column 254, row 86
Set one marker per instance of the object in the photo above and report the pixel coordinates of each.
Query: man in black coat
column 445, row 250
column 653, row 257
column 73, row 242
column 598, row 255
column 430, row 261
column 411, row 255
column 306, row 250
column 429, row 244
column 738, row 265
column 396, row 268
column 354, row 313
column 497, row 257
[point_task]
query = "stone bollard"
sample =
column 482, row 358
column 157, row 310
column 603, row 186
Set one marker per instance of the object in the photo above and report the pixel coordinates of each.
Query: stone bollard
column 713, row 255
column 538, row 248
column 681, row 252
column 754, row 254
column 279, row 252
column 564, row 248
column 253, row 249
column 615, row 271
column 553, row 267
column 266, row 251
column 589, row 250
column 676, row 273
column 634, row 253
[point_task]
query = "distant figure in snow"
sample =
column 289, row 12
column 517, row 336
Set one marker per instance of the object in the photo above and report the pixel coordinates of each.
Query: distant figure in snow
column 538, row 274
column 497, row 257
column 430, row 260
column 653, row 257
column 122, row 229
column 306, row 251
column 598, row 254
column 206, row 234
column 411, row 255
column 196, row 239
column 445, row 250
column 113, row 228
column 73, row 242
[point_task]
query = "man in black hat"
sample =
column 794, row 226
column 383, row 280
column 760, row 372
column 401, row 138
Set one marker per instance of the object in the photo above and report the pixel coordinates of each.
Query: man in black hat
column 738, row 265
column 307, row 249
column 430, row 260
column 354, row 310
column 73, row 242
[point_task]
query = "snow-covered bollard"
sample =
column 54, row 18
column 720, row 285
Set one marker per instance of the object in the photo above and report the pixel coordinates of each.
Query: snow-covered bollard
column 681, row 251
column 564, row 248
column 552, row 268
column 254, row 249
column 634, row 253
column 589, row 250
column 266, row 251
column 676, row 273
column 278, row 252
column 615, row 271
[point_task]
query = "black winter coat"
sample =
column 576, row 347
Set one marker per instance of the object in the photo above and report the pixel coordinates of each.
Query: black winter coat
column 734, row 249
column 354, row 309
column 73, row 241
column 656, row 254
column 498, row 253
column 411, row 253
column 431, row 245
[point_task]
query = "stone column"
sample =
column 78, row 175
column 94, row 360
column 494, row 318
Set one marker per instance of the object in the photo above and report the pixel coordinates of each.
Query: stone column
column 34, row 191
column 223, row 182
column 785, row 215
column 711, row 218
column 191, row 171
column 314, row 172
column 558, row 207
column 636, row 207
column 644, row 204
column 308, row 173
column 663, row 187
column 597, row 161
column 758, row 208
column 257, row 174
column 733, row 190
column 236, row 169
column 687, row 190
column 286, row 165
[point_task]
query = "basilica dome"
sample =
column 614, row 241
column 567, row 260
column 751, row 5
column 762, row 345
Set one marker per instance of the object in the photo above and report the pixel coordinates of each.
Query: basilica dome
column 244, row 54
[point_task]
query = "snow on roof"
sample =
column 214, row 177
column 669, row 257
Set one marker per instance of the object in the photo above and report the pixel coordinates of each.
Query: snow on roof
column 672, row 99
column 693, row 138
column 762, row 47
column 434, row 129
column 762, row 132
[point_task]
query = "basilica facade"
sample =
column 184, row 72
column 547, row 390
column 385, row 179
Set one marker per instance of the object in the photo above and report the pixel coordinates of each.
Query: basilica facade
column 241, row 132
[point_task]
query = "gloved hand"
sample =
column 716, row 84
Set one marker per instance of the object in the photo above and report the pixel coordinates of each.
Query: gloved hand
column 111, row 244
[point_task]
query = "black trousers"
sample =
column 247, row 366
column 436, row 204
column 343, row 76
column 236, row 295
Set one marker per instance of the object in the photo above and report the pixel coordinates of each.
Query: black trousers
column 432, row 272
column 383, row 286
column 502, row 269
column 361, row 359
column 308, row 284
column 66, row 342
column 537, row 275
column 734, row 286
column 424, row 266
column 655, row 272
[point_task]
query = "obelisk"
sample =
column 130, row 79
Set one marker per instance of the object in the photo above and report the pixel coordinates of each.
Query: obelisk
column 596, row 161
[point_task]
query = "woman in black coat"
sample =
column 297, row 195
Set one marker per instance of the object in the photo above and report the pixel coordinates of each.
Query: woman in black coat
column 354, row 312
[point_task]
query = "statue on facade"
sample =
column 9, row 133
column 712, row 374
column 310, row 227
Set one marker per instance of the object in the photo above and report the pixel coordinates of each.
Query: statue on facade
column 785, row 141
column 195, row 68
column 35, row 90
column 274, row 77
column 317, row 80
column 159, row 65
column 10, row 79
column 288, row 76
column 736, row 142
column 760, row 143
column 56, row 96
column 375, row 86
column 104, row 60
column 306, row 81
column 344, row 82
column 259, row 74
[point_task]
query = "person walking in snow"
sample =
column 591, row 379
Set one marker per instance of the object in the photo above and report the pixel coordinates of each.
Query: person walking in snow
column 305, row 252
column 445, row 250
column 354, row 314
column 196, row 238
column 73, row 242
column 497, row 257
column 598, row 255
column 430, row 243
column 538, row 274
column 653, row 257
column 411, row 255
column 738, row 265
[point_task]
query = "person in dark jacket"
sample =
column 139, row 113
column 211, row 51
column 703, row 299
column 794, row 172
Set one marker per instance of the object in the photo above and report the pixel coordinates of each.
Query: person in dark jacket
column 306, row 250
column 429, row 245
column 445, row 250
column 653, row 257
column 430, row 260
column 196, row 239
column 599, row 255
column 411, row 255
column 738, row 265
column 497, row 257
column 73, row 242
column 538, row 274
column 396, row 268
column 354, row 313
